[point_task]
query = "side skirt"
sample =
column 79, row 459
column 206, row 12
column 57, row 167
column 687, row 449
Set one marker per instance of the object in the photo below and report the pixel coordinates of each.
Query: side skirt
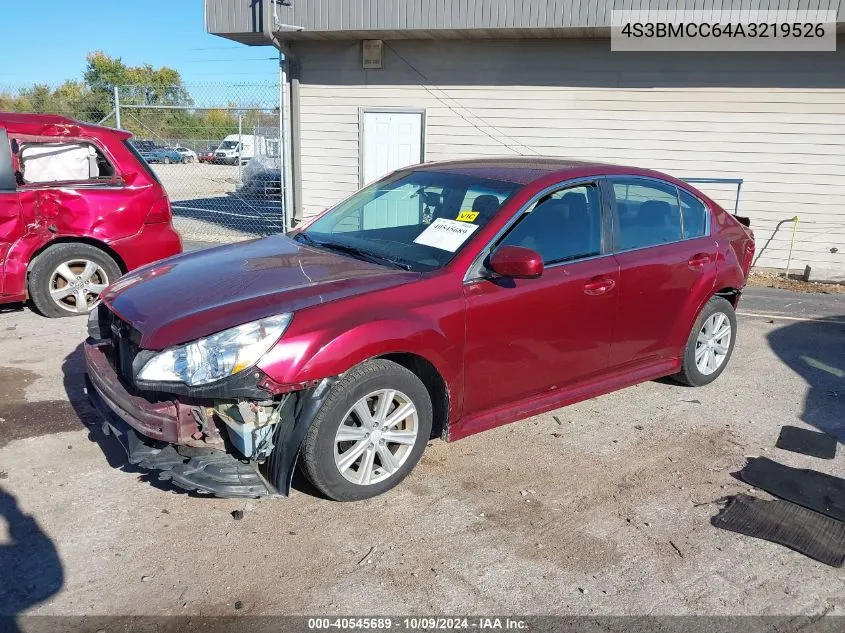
column 541, row 403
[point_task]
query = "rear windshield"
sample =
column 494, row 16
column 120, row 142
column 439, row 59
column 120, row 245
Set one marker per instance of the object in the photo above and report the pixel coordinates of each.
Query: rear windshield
column 141, row 160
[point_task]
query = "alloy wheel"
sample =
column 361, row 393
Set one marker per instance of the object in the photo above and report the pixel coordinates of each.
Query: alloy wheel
column 713, row 343
column 376, row 437
column 75, row 285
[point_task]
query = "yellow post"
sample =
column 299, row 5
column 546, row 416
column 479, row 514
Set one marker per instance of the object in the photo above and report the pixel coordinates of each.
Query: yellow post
column 791, row 244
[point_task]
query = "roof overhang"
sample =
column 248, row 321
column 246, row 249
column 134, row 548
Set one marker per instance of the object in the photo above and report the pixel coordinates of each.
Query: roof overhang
column 256, row 22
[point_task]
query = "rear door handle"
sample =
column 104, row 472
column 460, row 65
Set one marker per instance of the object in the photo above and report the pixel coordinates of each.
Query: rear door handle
column 699, row 260
column 599, row 286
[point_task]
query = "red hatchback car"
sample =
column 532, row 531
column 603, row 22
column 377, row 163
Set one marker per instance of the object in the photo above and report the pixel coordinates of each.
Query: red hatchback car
column 78, row 208
column 443, row 300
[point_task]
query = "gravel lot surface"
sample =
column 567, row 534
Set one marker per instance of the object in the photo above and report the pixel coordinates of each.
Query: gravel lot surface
column 208, row 206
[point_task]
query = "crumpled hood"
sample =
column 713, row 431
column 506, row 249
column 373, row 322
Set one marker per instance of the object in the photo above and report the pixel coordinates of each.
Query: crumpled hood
column 196, row 294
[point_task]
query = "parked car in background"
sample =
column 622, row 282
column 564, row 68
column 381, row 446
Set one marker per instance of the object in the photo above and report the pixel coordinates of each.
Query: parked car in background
column 152, row 153
column 78, row 208
column 262, row 178
column 188, row 155
column 206, row 157
column 264, row 184
column 443, row 300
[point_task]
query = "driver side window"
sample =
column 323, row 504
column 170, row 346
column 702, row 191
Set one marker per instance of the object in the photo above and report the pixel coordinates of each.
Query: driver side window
column 563, row 226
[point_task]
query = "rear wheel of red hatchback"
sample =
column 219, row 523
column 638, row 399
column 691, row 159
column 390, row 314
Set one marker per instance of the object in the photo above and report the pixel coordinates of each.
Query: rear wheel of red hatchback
column 710, row 344
column 67, row 279
column 370, row 432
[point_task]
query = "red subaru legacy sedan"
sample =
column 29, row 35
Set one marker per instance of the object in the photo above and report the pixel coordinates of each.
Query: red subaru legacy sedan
column 441, row 301
column 78, row 208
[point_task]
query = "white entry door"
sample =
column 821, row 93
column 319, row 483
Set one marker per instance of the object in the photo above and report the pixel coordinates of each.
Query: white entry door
column 390, row 140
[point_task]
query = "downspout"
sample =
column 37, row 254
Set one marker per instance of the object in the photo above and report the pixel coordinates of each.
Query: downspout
column 292, row 151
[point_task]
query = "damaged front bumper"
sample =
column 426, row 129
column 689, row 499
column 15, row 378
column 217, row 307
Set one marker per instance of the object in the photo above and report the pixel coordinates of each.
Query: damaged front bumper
column 184, row 440
column 213, row 472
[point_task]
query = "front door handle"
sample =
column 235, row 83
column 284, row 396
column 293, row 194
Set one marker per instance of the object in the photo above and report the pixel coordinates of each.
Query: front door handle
column 599, row 286
column 699, row 260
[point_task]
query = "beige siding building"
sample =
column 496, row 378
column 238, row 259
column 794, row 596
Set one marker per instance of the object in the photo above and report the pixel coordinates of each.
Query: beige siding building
column 776, row 121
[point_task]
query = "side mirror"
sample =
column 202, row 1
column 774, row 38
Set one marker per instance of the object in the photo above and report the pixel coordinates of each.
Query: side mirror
column 517, row 262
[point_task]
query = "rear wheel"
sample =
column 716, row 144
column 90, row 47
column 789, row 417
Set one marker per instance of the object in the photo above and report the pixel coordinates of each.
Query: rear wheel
column 710, row 344
column 166, row 160
column 67, row 279
column 370, row 432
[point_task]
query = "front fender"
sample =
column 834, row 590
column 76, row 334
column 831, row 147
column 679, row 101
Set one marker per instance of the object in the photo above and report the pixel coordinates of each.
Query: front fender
column 305, row 359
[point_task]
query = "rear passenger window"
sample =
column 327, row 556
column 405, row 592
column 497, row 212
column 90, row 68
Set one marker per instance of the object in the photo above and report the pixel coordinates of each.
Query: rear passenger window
column 648, row 213
column 694, row 214
column 48, row 162
column 563, row 226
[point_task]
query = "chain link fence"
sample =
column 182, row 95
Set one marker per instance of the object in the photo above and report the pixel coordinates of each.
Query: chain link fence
column 215, row 147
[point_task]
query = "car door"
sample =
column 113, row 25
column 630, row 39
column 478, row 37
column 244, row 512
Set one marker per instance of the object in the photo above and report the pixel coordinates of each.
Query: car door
column 666, row 270
column 11, row 224
column 528, row 336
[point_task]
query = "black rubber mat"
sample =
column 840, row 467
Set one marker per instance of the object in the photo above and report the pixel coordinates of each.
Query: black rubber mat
column 807, row 442
column 808, row 488
column 813, row 534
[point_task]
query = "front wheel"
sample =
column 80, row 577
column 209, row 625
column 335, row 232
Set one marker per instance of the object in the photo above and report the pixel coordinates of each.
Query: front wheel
column 710, row 344
column 370, row 432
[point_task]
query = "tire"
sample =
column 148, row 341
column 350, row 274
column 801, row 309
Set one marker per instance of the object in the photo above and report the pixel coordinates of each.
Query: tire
column 323, row 453
column 717, row 313
column 45, row 278
column 165, row 160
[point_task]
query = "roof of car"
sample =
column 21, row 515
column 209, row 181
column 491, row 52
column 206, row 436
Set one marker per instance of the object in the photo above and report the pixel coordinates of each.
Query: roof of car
column 51, row 124
column 526, row 169
column 26, row 118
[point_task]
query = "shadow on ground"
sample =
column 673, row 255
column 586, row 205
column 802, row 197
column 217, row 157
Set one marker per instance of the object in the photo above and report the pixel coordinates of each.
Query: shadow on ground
column 30, row 567
column 816, row 351
column 254, row 216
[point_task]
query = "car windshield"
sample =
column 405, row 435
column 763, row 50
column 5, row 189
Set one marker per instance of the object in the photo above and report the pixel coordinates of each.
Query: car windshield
column 416, row 220
column 228, row 145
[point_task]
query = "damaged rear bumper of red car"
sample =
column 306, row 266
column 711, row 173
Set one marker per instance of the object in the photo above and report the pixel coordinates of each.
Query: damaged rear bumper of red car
column 167, row 436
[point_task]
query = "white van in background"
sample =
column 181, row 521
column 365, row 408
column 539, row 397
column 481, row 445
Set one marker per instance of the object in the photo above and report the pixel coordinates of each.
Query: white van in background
column 240, row 146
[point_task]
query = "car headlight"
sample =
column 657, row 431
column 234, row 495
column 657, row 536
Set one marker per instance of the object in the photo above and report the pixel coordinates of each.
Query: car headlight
column 217, row 356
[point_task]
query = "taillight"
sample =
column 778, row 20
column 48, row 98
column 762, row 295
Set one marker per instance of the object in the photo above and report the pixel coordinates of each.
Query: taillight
column 160, row 212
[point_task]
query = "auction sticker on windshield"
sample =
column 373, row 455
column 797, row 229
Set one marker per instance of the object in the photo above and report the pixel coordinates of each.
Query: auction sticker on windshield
column 447, row 235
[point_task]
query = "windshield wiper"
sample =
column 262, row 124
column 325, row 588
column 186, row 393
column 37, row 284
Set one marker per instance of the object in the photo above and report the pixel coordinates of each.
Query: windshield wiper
column 354, row 251
column 360, row 253
column 304, row 237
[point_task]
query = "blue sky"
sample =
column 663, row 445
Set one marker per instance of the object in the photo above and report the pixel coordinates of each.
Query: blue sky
column 157, row 32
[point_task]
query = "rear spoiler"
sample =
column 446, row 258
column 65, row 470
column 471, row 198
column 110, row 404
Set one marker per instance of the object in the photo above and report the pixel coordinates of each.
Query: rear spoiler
column 744, row 221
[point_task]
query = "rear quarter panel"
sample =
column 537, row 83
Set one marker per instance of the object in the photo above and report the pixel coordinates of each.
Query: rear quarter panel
column 736, row 249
